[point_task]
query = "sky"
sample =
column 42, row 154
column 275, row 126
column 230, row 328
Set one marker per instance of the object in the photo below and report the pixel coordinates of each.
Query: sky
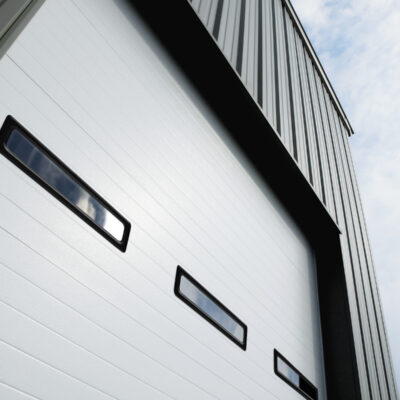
column 358, row 43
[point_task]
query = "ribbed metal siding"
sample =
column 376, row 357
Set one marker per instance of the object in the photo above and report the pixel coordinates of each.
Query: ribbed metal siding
column 264, row 46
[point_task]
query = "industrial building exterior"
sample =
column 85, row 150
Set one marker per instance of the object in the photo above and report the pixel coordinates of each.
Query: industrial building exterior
column 179, row 212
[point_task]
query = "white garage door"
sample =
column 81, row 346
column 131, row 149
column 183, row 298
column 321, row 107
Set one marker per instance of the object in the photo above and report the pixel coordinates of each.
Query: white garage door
column 79, row 318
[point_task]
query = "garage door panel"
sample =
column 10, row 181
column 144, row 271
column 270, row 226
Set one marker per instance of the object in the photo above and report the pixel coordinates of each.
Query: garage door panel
column 107, row 100
column 56, row 220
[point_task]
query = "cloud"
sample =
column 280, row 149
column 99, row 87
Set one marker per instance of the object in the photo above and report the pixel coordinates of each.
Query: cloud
column 358, row 42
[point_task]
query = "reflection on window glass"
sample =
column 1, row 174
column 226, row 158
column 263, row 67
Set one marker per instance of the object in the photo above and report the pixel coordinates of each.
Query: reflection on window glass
column 199, row 299
column 203, row 302
column 39, row 163
column 294, row 378
column 20, row 147
column 288, row 372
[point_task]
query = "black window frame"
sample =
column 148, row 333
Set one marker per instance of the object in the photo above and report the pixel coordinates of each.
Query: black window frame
column 10, row 124
column 181, row 272
column 301, row 376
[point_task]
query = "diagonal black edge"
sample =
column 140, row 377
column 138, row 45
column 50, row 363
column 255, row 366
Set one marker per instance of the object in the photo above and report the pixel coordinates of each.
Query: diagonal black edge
column 183, row 35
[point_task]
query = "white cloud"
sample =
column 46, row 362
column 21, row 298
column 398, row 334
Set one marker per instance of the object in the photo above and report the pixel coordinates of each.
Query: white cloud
column 358, row 42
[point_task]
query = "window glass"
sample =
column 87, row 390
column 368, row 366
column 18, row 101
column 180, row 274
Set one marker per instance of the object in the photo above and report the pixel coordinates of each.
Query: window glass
column 40, row 164
column 216, row 313
column 25, row 151
column 286, row 371
column 198, row 298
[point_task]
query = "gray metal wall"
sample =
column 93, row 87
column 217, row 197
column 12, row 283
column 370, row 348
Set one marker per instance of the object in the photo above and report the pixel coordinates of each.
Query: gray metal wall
column 267, row 47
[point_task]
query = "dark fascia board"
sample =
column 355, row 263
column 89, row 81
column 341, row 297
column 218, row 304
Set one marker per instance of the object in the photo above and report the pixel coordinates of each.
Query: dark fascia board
column 8, row 38
column 317, row 64
column 187, row 41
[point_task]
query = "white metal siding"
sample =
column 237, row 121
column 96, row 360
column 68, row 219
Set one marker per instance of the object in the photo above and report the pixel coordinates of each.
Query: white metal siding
column 79, row 318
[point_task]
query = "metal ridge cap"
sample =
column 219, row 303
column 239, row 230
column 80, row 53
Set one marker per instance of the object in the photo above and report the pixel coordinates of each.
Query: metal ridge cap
column 315, row 59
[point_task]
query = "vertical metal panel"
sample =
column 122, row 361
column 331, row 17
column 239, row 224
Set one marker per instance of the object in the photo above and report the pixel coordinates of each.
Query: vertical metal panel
column 276, row 69
column 240, row 37
column 316, row 139
column 260, row 65
column 196, row 5
column 332, row 183
column 377, row 382
column 204, row 10
column 251, row 70
column 363, row 369
column 297, row 110
column 269, row 70
column 319, row 139
column 235, row 34
column 289, row 60
column 211, row 15
column 283, row 88
column 224, row 24
column 375, row 351
column 262, row 100
column 387, row 365
column 303, row 132
column 321, row 123
column 316, row 180
column 217, row 20
column 246, row 43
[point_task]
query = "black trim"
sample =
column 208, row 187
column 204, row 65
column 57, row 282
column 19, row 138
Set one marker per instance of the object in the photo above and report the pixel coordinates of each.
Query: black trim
column 303, row 380
column 9, row 125
column 181, row 272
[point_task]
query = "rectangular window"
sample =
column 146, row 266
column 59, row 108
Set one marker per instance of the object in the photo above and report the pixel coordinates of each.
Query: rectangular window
column 26, row 152
column 286, row 371
column 203, row 302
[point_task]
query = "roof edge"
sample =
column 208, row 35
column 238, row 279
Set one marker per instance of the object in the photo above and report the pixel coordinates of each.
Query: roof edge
column 318, row 65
